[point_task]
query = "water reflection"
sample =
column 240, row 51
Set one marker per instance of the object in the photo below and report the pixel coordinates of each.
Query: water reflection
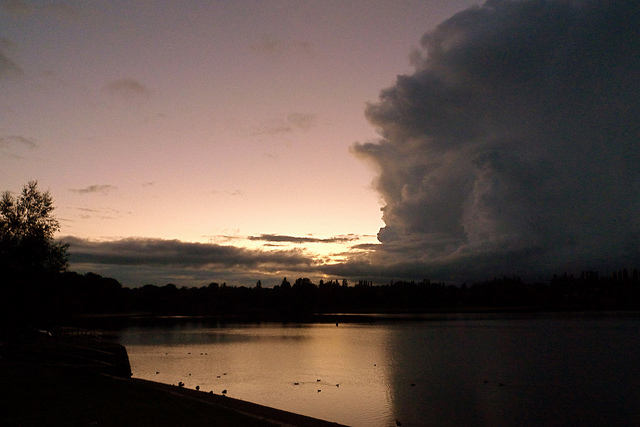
column 516, row 372
column 479, row 370
column 324, row 371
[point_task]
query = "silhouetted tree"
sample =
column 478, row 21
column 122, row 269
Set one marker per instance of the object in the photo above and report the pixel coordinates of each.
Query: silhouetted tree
column 27, row 226
column 31, row 263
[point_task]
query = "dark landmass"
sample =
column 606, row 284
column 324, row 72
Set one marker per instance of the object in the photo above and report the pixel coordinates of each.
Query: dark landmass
column 84, row 300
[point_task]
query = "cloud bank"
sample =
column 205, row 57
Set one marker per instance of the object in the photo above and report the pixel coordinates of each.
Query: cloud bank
column 137, row 261
column 160, row 252
column 514, row 147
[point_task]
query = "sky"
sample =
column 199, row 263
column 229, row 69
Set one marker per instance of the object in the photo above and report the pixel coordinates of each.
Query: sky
column 214, row 141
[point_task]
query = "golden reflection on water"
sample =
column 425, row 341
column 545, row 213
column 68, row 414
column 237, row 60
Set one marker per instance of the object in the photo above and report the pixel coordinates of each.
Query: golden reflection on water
column 335, row 373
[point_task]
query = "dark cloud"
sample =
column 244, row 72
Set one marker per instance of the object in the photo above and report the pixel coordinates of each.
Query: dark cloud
column 101, row 189
column 366, row 246
column 293, row 239
column 192, row 262
column 514, row 147
column 146, row 251
column 128, row 89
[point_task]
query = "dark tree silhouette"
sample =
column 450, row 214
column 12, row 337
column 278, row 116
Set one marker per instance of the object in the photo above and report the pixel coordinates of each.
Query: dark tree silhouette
column 27, row 227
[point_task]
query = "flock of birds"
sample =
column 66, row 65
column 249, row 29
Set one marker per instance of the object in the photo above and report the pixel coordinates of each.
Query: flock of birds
column 224, row 392
column 317, row 381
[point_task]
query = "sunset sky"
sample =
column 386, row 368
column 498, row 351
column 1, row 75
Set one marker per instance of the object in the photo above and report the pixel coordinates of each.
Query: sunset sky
column 200, row 141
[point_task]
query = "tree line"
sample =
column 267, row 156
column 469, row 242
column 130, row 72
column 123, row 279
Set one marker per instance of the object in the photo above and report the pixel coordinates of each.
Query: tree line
column 70, row 296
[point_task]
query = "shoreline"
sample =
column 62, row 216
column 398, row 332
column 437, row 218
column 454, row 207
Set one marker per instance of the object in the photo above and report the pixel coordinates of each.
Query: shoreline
column 254, row 410
column 65, row 396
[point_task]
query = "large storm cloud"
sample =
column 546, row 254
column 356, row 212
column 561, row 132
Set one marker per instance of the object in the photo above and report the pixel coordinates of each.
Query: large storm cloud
column 514, row 147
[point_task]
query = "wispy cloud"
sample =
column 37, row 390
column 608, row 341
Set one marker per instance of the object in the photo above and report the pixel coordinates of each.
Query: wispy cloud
column 302, row 121
column 127, row 89
column 272, row 45
column 293, row 239
column 11, row 145
column 102, row 213
column 13, row 140
column 273, row 127
column 8, row 68
column 93, row 189
column 228, row 192
column 293, row 121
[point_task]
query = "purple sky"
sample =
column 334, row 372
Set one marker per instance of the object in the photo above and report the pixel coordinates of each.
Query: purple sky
column 200, row 141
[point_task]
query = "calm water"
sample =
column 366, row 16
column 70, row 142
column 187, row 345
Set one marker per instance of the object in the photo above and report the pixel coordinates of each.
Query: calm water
column 462, row 370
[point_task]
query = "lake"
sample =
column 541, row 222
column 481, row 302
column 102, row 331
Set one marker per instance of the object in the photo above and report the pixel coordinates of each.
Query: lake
column 458, row 369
